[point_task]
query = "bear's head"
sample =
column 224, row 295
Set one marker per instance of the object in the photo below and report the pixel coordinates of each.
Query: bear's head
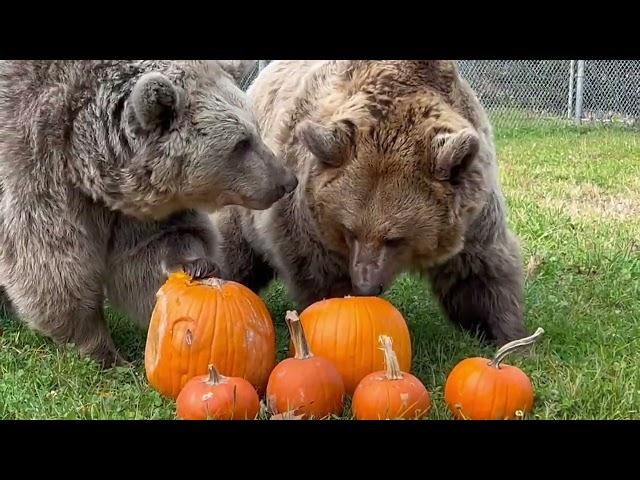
column 397, row 172
column 196, row 144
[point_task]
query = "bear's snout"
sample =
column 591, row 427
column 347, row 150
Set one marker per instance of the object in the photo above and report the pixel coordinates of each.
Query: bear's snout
column 369, row 269
column 367, row 289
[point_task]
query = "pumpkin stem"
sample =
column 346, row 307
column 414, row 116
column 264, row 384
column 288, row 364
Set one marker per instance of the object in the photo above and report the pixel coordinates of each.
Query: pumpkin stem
column 300, row 344
column 514, row 345
column 390, row 358
column 214, row 376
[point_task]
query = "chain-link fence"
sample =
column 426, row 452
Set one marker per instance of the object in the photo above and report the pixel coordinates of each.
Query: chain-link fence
column 518, row 92
column 525, row 92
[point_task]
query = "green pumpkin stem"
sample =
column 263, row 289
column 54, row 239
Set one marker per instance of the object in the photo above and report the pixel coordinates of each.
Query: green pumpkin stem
column 513, row 346
column 214, row 376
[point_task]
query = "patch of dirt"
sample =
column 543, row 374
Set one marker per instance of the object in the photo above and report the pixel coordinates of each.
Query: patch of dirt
column 590, row 201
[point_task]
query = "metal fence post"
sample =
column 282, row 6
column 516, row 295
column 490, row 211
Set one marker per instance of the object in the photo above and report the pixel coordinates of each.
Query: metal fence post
column 579, row 91
column 570, row 99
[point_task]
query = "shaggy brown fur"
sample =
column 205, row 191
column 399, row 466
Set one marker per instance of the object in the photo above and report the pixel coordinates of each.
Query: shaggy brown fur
column 397, row 173
column 102, row 167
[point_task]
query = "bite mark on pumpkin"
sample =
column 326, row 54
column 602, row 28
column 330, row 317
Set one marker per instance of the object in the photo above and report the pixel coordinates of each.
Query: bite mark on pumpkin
column 212, row 282
column 163, row 306
column 249, row 337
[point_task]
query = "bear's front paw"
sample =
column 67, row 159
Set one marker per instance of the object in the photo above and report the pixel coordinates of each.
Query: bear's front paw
column 108, row 357
column 200, row 269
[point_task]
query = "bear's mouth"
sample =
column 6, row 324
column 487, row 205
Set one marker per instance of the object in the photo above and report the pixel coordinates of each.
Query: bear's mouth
column 254, row 202
column 231, row 198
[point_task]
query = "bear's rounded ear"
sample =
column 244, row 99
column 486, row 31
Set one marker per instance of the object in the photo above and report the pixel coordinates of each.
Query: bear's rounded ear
column 330, row 144
column 155, row 102
column 453, row 153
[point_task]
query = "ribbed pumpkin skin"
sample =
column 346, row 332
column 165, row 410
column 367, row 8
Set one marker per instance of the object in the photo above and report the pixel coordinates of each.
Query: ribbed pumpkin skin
column 379, row 398
column 346, row 330
column 195, row 324
column 311, row 387
column 476, row 390
column 232, row 399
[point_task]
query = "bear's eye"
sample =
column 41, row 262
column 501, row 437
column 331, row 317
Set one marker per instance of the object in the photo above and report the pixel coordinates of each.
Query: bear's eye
column 242, row 146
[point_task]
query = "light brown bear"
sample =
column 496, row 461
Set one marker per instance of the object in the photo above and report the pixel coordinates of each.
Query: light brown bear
column 397, row 172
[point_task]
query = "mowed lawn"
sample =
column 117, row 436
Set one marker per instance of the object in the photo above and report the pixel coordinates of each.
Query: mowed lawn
column 574, row 199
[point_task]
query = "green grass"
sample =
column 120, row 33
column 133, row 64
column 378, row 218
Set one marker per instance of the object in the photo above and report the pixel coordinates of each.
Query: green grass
column 574, row 200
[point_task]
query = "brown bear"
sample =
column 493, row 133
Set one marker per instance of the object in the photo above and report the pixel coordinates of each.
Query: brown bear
column 106, row 171
column 397, row 172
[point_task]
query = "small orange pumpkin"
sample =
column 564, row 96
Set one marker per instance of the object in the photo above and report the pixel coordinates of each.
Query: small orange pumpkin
column 200, row 322
column 390, row 394
column 305, row 384
column 216, row 397
column 482, row 389
column 346, row 330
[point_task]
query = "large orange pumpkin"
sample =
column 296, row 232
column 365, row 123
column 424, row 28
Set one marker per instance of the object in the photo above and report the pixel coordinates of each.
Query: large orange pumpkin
column 390, row 394
column 346, row 330
column 481, row 389
column 306, row 384
column 200, row 322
